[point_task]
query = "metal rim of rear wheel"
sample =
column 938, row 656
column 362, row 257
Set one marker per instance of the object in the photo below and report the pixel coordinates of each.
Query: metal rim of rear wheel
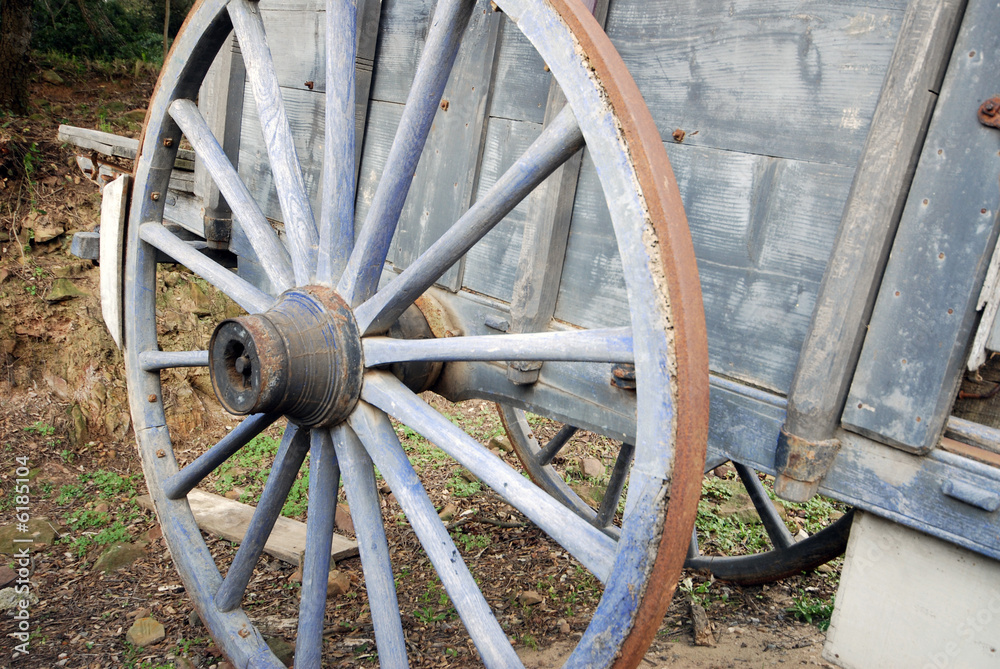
column 330, row 282
column 786, row 558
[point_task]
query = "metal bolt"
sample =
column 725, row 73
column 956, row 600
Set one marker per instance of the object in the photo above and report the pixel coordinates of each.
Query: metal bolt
column 155, row 195
column 242, row 364
column 152, row 398
column 679, row 135
column 244, row 632
column 309, row 84
column 444, row 105
column 160, row 453
column 990, row 108
column 168, row 142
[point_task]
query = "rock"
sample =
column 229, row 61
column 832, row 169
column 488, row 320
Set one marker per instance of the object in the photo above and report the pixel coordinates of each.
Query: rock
column 39, row 530
column 724, row 471
column 194, row 620
column 171, row 279
column 529, row 598
column 564, row 627
column 118, row 556
column 337, row 583
column 801, row 535
column 183, row 663
column 468, row 476
column 63, row 289
column 145, row 632
column 343, row 519
column 139, row 613
column 53, row 78
column 296, row 576
column 700, row 627
column 283, row 650
column 102, row 507
column 43, row 228
column 826, row 569
column 78, row 432
column 448, row 512
column 591, row 468
column 11, row 599
column 152, row 534
column 503, row 443
column 201, row 306
column 234, row 493
column 7, row 576
column 836, row 515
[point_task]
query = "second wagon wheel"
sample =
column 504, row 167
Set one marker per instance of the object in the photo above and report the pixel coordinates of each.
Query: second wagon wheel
column 307, row 354
column 786, row 557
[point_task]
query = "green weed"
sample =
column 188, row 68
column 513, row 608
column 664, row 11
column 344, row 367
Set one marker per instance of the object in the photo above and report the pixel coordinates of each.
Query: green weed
column 812, row 610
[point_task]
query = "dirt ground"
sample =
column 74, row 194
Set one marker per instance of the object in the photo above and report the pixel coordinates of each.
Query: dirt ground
column 65, row 426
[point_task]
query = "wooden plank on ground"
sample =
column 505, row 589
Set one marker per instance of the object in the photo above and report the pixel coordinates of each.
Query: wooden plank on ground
column 229, row 519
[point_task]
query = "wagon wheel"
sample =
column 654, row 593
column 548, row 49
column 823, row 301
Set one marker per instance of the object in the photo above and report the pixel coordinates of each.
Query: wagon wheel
column 307, row 353
column 786, row 558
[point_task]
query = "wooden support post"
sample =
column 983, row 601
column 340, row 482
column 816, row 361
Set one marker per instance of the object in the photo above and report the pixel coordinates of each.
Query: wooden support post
column 543, row 245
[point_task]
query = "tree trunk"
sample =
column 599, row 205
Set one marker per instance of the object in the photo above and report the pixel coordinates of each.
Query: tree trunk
column 15, row 40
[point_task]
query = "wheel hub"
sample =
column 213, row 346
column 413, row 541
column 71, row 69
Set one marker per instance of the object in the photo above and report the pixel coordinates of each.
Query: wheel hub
column 301, row 358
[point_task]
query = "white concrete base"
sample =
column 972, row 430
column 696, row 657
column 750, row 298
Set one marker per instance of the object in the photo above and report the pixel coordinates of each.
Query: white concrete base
column 909, row 600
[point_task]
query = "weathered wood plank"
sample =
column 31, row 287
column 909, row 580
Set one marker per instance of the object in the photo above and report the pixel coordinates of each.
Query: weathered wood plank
column 443, row 184
column 910, row 365
column 521, row 80
column 790, row 79
column 109, row 144
column 230, row 519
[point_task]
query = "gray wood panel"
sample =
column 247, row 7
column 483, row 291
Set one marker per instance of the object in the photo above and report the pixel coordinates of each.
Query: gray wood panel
column 784, row 78
column 521, row 82
column 911, row 361
column 401, row 35
column 491, row 265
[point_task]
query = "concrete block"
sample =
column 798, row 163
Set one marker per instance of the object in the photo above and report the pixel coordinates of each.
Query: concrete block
column 907, row 599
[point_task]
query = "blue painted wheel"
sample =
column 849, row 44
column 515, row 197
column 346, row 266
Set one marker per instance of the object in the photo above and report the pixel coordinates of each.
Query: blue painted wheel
column 310, row 351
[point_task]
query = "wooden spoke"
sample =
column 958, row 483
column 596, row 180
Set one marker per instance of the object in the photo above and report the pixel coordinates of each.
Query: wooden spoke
column 590, row 546
column 609, row 345
column 285, row 167
column 336, row 226
column 181, row 483
column 366, row 512
column 613, row 493
column 287, row 462
column 556, row 443
column 364, row 268
column 153, row 361
column 776, row 531
column 560, row 140
column 238, row 290
column 271, row 253
column 380, row 440
column 324, row 482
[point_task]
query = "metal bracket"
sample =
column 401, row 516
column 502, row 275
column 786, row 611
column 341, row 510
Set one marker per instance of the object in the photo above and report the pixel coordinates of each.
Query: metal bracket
column 801, row 465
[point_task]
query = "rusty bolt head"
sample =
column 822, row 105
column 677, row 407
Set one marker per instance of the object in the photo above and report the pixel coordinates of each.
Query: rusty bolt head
column 990, row 108
column 155, row 195
column 160, row 453
column 168, row 142
column 679, row 135
column 310, row 84
column 989, row 112
column 244, row 632
column 152, row 398
column 444, row 105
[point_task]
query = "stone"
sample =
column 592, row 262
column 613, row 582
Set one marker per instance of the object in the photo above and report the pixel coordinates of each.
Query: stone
column 200, row 304
column 102, row 507
column 145, row 632
column 194, row 620
column 183, row 663
column 700, row 627
column 724, row 471
column 801, row 535
column 171, row 279
column 283, row 650
column 52, row 77
column 152, row 534
column 40, row 531
column 468, row 476
column 564, row 627
column 337, row 583
column 11, row 599
column 63, row 289
column 591, row 468
column 448, row 512
column 502, row 443
column 139, row 613
column 529, row 598
column 233, row 493
column 118, row 556
column 78, row 432
column 43, row 228
column 7, row 576
column 343, row 519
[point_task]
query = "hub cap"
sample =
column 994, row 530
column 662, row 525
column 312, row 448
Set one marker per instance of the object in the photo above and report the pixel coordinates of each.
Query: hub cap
column 301, row 358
